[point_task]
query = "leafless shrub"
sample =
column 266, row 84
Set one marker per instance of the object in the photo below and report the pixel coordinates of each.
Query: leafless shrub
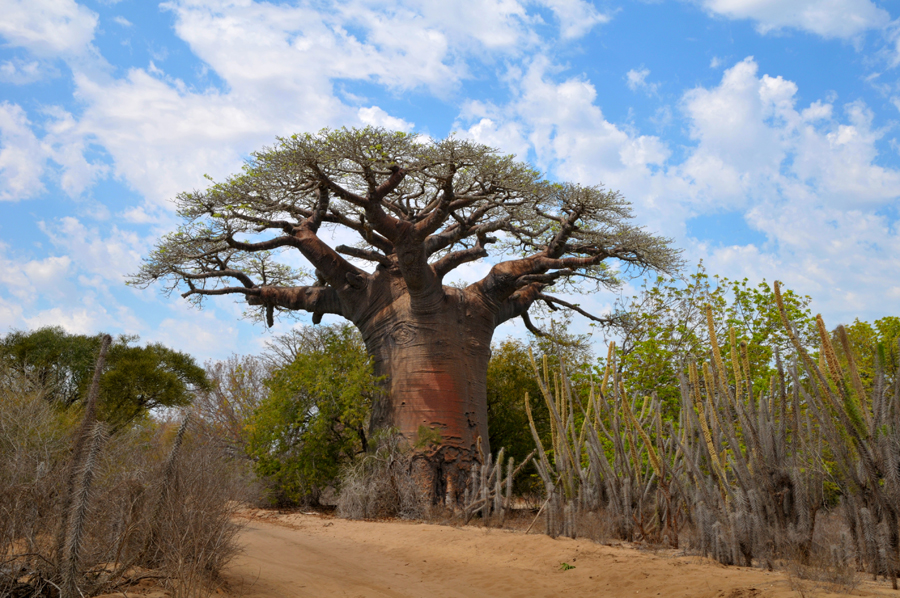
column 120, row 524
column 830, row 565
column 381, row 484
column 34, row 443
column 237, row 387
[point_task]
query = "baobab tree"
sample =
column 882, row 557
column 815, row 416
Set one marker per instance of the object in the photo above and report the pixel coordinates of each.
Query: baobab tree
column 418, row 209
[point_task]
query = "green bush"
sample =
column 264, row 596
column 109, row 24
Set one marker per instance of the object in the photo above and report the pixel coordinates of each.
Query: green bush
column 315, row 418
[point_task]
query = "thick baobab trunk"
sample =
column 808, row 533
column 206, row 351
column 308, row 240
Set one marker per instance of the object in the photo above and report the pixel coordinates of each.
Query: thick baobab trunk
column 435, row 366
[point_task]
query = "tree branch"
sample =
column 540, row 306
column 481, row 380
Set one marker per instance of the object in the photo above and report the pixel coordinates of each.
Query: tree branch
column 222, row 291
column 370, row 236
column 465, row 228
column 441, row 211
column 335, row 269
column 505, row 277
column 262, row 245
column 240, row 276
column 518, row 303
column 530, row 326
column 551, row 300
column 458, row 258
column 312, row 299
column 364, row 254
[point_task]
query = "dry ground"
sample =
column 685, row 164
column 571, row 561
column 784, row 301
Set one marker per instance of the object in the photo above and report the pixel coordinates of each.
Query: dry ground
column 287, row 555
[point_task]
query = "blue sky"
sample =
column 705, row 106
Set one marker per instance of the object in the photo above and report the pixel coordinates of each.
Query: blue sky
column 760, row 135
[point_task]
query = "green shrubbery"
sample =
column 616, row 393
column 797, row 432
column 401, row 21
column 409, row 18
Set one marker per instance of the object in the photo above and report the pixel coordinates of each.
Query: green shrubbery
column 314, row 419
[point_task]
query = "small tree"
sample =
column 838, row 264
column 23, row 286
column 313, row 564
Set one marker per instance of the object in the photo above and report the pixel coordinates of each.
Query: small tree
column 420, row 209
column 237, row 388
column 665, row 327
column 315, row 417
column 135, row 379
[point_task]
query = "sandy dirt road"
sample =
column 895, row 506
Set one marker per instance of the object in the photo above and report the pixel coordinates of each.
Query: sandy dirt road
column 309, row 555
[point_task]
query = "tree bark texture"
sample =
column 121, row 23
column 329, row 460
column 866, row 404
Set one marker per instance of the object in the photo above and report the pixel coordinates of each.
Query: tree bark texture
column 434, row 363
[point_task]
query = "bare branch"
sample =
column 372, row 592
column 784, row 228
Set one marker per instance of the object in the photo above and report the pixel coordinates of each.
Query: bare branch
column 222, row 291
column 550, row 301
column 364, row 254
column 458, row 258
column 530, row 326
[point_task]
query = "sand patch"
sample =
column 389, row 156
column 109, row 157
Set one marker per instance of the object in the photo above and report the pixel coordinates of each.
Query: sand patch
column 288, row 555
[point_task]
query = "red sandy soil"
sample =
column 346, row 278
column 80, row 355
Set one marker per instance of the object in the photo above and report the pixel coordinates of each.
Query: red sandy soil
column 288, row 555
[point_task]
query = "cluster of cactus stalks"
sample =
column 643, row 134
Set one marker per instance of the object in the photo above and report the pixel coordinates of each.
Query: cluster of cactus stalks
column 607, row 456
column 741, row 473
column 489, row 492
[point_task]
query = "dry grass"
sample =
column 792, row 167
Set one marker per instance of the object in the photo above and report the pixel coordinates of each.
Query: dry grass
column 380, row 484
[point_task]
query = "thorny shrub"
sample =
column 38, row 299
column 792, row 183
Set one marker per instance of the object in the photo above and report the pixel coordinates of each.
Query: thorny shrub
column 148, row 501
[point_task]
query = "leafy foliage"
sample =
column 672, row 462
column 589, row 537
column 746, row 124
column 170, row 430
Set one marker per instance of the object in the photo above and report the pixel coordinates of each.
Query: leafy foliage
column 135, row 380
column 666, row 326
column 871, row 345
column 425, row 206
column 509, row 377
column 315, row 418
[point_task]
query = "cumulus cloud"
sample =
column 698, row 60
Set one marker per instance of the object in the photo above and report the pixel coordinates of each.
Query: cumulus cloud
column 278, row 63
column 74, row 320
column 24, row 278
column 47, row 28
column 376, row 117
column 111, row 257
column 828, row 18
column 576, row 17
column 753, row 140
column 755, row 149
column 22, row 157
column 23, row 72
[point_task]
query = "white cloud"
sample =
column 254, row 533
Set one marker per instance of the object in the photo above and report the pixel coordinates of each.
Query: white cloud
column 828, row 18
column 753, row 142
column 111, row 257
column 120, row 20
column 25, row 279
column 22, row 156
column 10, row 314
column 637, row 80
column 75, row 320
column 197, row 333
column 576, row 17
column 278, row 63
column 23, row 72
column 47, row 27
column 377, row 117
column 755, row 151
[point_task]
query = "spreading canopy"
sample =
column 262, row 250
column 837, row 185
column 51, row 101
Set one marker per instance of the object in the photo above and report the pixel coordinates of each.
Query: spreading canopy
column 414, row 205
column 135, row 380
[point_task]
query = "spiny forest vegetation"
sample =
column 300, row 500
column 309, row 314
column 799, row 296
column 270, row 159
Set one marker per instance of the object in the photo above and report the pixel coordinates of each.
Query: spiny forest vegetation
column 724, row 419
